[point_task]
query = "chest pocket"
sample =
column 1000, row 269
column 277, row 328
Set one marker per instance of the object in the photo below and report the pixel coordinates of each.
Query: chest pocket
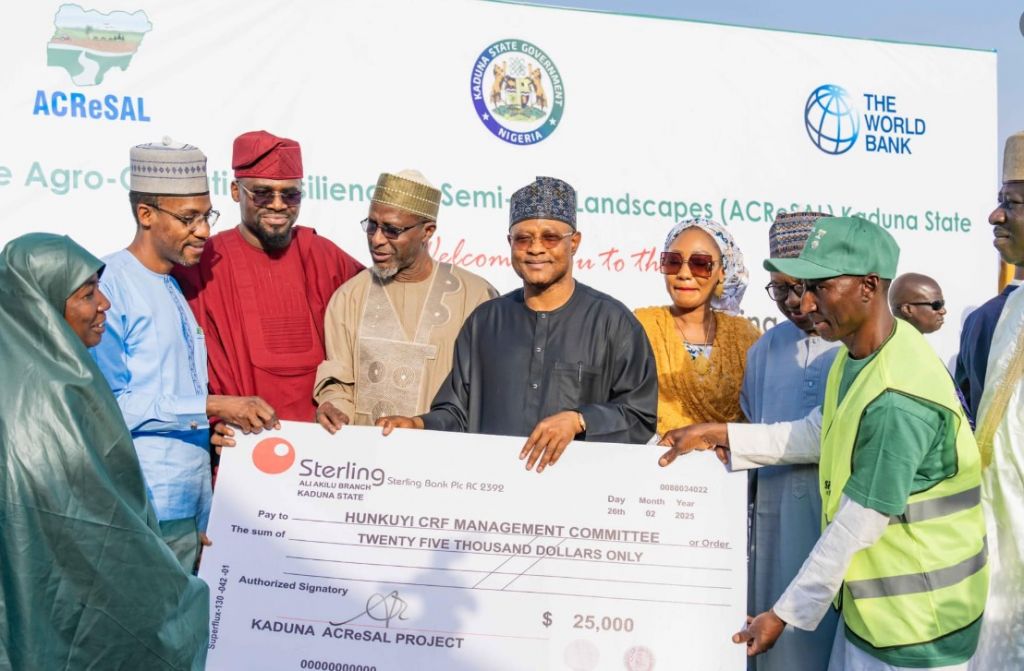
column 575, row 384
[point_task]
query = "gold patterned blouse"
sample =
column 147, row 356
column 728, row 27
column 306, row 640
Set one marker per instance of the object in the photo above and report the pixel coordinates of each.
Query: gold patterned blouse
column 685, row 396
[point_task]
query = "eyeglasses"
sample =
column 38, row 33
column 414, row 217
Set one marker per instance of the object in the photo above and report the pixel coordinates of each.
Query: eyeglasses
column 262, row 197
column 934, row 305
column 191, row 221
column 549, row 240
column 701, row 265
column 779, row 291
column 390, row 232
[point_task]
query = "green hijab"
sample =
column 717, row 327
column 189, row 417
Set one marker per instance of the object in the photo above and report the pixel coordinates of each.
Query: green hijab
column 85, row 579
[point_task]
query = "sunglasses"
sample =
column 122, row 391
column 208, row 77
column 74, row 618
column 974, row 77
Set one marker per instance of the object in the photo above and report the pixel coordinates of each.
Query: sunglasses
column 390, row 232
column 549, row 240
column 701, row 265
column 262, row 197
column 934, row 305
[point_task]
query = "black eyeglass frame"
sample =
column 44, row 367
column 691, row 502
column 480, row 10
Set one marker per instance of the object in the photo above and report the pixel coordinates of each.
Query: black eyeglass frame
column 191, row 221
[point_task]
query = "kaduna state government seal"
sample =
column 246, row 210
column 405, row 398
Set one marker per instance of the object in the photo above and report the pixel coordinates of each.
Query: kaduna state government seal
column 517, row 91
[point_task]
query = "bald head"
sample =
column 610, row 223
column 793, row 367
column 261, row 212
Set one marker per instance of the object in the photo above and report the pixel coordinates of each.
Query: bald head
column 918, row 299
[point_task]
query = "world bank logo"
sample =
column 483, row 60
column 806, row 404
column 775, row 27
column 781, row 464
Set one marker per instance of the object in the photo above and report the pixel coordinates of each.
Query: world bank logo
column 831, row 121
column 517, row 91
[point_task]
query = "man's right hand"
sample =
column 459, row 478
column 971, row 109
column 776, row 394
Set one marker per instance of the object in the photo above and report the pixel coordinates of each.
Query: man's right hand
column 393, row 422
column 329, row 417
column 249, row 413
column 696, row 437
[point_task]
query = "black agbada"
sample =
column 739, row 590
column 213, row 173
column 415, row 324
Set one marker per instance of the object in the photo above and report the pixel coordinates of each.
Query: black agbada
column 514, row 367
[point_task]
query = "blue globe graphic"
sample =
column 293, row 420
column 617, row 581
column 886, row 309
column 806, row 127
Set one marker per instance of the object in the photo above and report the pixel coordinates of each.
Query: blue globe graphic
column 832, row 124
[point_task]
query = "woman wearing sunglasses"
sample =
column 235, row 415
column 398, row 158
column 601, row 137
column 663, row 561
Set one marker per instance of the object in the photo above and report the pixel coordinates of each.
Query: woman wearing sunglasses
column 700, row 342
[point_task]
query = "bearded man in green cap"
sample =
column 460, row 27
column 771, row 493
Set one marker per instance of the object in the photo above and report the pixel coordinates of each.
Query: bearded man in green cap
column 902, row 553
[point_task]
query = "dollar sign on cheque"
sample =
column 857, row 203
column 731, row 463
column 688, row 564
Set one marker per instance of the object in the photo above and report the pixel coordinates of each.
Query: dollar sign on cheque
column 546, row 619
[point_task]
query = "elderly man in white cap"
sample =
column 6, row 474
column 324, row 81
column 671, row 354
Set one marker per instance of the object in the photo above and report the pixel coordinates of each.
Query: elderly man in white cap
column 1000, row 434
column 390, row 330
column 153, row 354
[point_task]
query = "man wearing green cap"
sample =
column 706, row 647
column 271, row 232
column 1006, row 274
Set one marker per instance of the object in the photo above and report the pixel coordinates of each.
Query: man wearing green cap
column 902, row 553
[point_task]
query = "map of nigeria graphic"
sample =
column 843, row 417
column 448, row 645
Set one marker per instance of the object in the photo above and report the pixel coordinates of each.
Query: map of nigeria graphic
column 88, row 43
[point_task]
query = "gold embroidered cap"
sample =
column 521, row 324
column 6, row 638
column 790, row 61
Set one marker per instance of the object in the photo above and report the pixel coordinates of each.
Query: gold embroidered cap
column 1013, row 158
column 408, row 190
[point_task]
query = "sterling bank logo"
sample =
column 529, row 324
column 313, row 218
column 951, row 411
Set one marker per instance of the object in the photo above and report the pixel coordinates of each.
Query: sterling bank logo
column 273, row 456
column 834, row 120
column 88, row 44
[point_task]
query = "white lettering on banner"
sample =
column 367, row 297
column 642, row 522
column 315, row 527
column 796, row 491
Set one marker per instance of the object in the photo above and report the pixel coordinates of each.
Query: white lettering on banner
column 489, row 566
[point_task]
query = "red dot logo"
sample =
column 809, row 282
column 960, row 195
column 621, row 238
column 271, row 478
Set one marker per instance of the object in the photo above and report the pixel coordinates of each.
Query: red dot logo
column 273, row 455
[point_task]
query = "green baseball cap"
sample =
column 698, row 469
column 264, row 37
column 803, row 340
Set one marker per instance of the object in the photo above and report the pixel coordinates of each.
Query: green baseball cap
column 842, row 246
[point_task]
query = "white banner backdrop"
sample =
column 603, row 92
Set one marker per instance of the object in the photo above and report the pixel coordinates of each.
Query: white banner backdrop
column 651, row 120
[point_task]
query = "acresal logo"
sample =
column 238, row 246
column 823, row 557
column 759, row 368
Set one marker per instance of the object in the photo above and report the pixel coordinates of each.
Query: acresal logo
column 88, row 44
column 834, row 120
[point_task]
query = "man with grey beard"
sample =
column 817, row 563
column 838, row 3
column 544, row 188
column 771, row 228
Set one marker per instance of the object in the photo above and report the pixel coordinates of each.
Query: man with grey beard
column 390, row 330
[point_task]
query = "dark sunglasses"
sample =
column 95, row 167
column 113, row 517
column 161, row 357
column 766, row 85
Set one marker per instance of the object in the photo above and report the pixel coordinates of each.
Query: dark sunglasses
column 701, row 265
column 934, row 305
column 549, row 240
column 390, row 232
column 262, row 197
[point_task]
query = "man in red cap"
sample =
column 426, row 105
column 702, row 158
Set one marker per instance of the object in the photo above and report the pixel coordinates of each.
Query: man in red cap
column 260, row 289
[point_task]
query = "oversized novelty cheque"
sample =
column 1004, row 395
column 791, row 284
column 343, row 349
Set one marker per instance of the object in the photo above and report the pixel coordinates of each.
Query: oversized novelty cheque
column 441, row 551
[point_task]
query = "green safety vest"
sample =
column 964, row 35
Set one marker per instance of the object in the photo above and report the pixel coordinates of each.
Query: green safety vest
column 928, row 575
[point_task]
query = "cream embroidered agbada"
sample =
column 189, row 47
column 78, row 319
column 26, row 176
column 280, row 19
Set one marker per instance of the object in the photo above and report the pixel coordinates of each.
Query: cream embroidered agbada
column 389, row 344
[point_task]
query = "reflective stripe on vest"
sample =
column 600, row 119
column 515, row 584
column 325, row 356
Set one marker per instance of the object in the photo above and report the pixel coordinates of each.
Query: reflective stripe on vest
column 914, row 583
column 940, row 507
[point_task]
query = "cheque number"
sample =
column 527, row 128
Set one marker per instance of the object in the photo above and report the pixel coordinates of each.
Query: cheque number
column 334, row 666
column 606, row 623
